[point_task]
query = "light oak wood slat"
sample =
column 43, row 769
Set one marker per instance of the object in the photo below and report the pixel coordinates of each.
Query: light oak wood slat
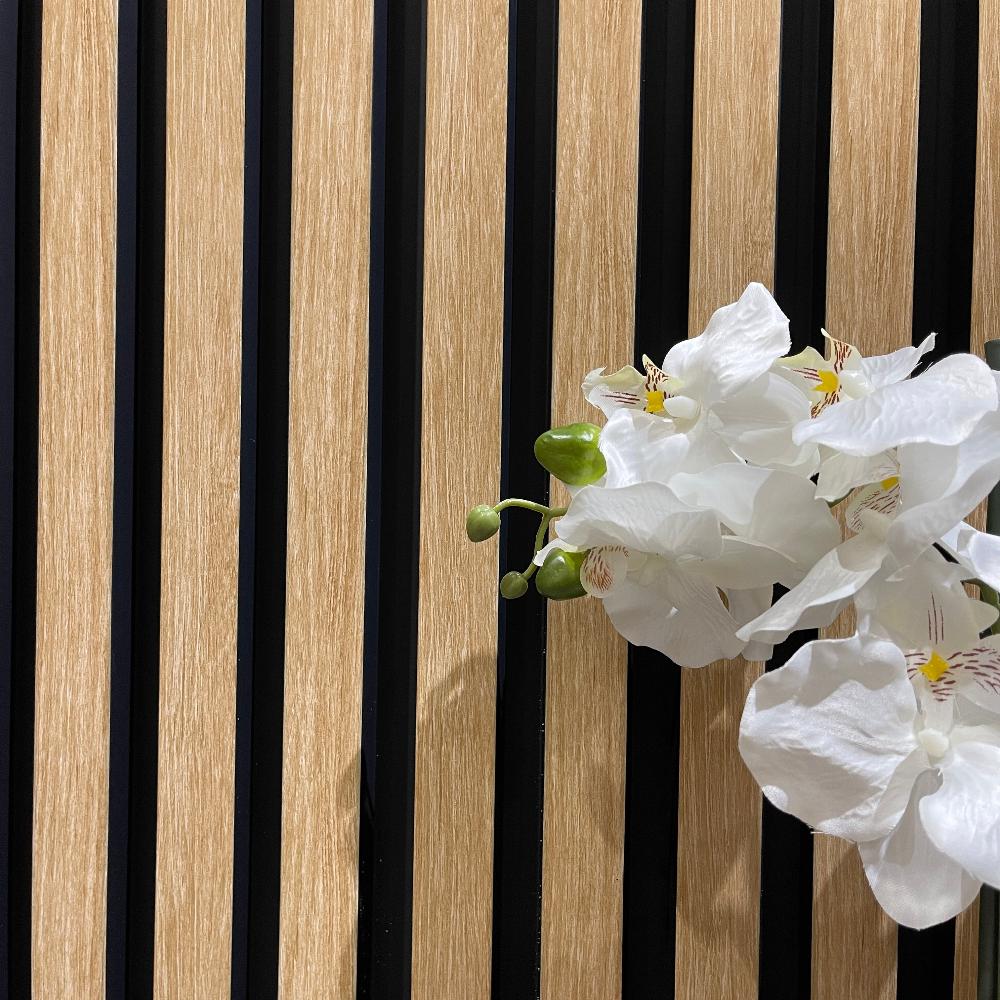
column 869, row 303
column 75, row 468
column 732, row 243
column 326, row 522
column 596, row 184
column 201, row 461
column 457, row 626
column 985, row 326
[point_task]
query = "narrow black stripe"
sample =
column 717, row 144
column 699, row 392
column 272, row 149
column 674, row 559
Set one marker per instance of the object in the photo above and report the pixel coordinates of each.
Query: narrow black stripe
column 263, row 504
column 135, row 583
column 800, row 289
column 8, row 227
column 19, row 468
column 946, row 173
column 393, row 501
column 806, row 79
column 942, row 302
column 661, row 309
column 527, row 366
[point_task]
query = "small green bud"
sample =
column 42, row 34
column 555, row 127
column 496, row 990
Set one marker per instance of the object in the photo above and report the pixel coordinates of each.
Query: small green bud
column 513, row 585
column 571, row 454
column 559, row 577
column 482, row 522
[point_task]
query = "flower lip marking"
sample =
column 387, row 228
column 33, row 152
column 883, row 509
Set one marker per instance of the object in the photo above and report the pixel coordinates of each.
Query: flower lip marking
column 935, row 668
column 829, row 381
column 890, row 483
column 654, row 401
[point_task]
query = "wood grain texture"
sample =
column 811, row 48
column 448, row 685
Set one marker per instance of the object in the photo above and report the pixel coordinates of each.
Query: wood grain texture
column 331, row 157
column 201, row 464
column 986, row 246
column 734, row 173
column 869, row 300
column 75, row 468
column 966, row 953
column 462, row 374
column 594, row 292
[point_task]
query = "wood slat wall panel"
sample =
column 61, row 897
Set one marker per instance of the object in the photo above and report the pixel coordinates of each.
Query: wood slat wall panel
column 201, row 464
column 593, row 317
column 732, row 243
column 872, row 199
column 465, row 161
column 75, row 466
column 331, row 157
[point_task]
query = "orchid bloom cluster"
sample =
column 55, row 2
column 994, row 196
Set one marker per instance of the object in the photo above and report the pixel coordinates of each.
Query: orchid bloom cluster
column 715, row 477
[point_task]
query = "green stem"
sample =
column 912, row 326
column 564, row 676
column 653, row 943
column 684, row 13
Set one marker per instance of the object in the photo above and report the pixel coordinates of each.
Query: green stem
column 538, row 508
column 547, row 517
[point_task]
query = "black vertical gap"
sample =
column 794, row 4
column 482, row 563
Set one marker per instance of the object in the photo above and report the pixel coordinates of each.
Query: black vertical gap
column 385, row 889
column 124, row 460
column 942, row 302
column 20, row 125
column 661, row 308
column 8, row 222
column 806, row 76
column 946, row 174
column 263, row 493
column 527, row 365
column 135, row 584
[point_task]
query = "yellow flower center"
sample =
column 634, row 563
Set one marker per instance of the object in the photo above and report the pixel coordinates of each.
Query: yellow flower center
column 829, row 381
column 654, row 402
column 887, row 484
column 935, row 668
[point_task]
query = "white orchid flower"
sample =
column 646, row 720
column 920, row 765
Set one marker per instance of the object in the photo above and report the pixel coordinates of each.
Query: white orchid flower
column 662, row 556
column 894, row 747
column 846, row 374
column 940, row 406
column 718, row 389
column 895, row 523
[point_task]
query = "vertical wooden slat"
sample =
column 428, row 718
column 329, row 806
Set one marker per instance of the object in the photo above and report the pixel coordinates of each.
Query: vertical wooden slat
column 986, row 247
column 331, row 156
column 457, row 627
column 985, row 326
column 75, row 454
column 201, row 461
column 732, row 243
column 593, row 309
column 869, row 303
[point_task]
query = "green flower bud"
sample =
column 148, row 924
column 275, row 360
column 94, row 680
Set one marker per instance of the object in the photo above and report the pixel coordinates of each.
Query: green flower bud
column 571, row 454
column 481, row 523
column 513, row 585
column 559, row 576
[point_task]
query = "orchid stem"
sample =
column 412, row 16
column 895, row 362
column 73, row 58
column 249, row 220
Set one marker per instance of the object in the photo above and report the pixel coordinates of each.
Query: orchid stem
column 549, row 514
column 538, row 508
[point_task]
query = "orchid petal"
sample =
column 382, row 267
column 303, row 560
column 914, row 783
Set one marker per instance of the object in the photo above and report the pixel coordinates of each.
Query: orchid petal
column 939, row 406
column 962, row 817
column 676, row 613
column 977, row 551
column 640, row 447
column 838, row 575
column 915, row 883
column 741, row 342
column 887, row 369
column 825, row 734
column 610, row 393
column 647, row 517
